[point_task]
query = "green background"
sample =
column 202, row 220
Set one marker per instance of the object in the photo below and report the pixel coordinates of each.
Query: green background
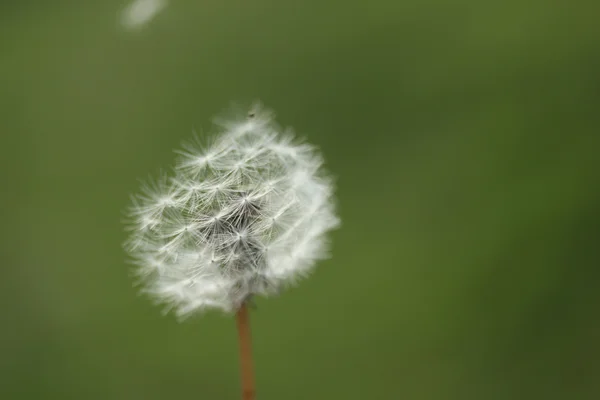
column 465, row 137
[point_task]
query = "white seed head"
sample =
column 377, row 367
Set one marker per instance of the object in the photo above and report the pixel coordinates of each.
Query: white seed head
column 244, row 216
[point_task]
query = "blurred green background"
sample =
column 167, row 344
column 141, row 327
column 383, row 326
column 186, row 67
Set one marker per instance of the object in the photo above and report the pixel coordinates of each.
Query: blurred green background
column 465, row 136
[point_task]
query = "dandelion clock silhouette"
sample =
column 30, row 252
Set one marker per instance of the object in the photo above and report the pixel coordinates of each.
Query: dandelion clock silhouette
column 242, row 216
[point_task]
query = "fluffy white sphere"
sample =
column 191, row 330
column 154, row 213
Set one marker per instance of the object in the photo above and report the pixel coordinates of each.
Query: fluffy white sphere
column 244, row 216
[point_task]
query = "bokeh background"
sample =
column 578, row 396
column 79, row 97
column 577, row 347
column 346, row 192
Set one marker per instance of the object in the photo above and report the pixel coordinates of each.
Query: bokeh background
column 465, row 137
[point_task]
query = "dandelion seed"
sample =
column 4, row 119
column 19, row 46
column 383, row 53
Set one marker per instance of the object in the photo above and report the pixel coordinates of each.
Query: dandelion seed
column 140, row 12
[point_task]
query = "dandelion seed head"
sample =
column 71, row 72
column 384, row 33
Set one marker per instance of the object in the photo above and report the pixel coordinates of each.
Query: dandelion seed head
column 246, row 215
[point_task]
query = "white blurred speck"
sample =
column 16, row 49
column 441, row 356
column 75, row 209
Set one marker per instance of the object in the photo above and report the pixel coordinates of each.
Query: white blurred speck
column 140, row 12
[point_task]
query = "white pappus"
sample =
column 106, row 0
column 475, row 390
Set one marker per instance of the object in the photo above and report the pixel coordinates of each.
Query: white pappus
column 244, row 216
column 141, row 12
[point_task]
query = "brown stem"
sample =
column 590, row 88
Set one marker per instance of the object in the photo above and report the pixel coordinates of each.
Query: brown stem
column 247, row 370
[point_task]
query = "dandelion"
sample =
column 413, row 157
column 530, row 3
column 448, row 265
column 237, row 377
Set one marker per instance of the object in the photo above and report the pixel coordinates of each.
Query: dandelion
column 246, row 215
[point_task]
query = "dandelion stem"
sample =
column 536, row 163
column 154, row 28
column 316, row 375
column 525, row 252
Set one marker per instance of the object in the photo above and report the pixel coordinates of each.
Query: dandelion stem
column 246, row 368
